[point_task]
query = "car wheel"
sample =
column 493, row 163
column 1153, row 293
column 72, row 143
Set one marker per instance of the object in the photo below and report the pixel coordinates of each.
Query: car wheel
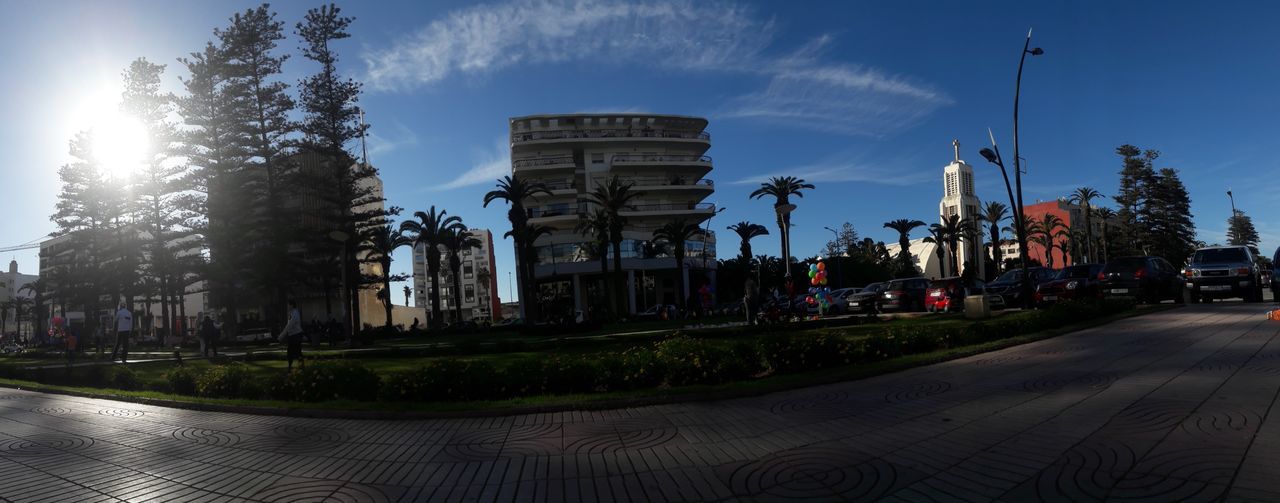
column 1208, row 300
column 1181, row 298
column 1190, row 298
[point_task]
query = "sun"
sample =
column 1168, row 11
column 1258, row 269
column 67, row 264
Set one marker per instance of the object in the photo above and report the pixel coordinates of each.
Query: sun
column 120, row 143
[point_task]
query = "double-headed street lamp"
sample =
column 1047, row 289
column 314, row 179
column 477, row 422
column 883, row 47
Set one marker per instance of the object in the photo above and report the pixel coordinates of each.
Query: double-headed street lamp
column 837, row 259
column 993, row 156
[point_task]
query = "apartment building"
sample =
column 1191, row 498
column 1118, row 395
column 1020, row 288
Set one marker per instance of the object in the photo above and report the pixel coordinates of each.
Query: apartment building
column 479, row 281
column 662, row 156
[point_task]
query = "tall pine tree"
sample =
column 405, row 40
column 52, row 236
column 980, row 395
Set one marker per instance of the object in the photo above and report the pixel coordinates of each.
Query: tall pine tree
column 87, row 211
column 214, row 146
column 248, row 50
column 1172, row 234
column 1241, row 232
column 157, row 209
column 331, row 124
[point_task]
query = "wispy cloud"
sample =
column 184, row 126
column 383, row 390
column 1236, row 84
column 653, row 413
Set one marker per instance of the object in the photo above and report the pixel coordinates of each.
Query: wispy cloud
column 680, row 34
column 799, row 88
column 844, row 99
column 849, row 168
column 384, row 140
column 491, row 166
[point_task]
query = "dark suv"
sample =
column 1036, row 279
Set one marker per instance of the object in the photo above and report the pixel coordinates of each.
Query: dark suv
column 1219, row 272
column 1146, row 279
column 904, row 295
column 1009, row 285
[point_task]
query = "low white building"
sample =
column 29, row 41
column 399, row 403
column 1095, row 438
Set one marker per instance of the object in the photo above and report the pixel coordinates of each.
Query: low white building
column 924, row 254
column 11, row 283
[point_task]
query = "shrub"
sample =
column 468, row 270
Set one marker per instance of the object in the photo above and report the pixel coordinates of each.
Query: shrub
column 444, row 380
column 181, row 380
column 634, row 368
column 332, row 380
column 690, row 361
column 524, row 377
column 232, row 380
column 571, row 375
column 794, row 353
column 124, row 378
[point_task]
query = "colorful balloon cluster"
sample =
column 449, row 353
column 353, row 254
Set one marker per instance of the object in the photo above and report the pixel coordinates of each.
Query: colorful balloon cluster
column 819, row 294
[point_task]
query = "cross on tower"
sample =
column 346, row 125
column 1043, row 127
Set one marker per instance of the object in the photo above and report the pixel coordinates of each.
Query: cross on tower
column 956, row 144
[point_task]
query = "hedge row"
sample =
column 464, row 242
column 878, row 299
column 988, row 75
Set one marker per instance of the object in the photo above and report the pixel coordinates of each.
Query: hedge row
column 679, row 360
column 676, row 361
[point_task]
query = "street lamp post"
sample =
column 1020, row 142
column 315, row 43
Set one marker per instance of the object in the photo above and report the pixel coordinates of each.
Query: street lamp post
column 342, row 237
column 836, row 258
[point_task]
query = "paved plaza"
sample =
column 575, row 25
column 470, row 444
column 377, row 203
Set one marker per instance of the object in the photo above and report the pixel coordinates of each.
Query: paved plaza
column 1173, row 405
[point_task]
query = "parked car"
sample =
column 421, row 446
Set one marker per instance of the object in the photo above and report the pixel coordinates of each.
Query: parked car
column 1009, row 285
column 1073, row 282
column 947, row 294
column 1146, row 279
column 838, row 302
column 1219, row 272
column 904, row 295
column 656, row 312
column 867, row 300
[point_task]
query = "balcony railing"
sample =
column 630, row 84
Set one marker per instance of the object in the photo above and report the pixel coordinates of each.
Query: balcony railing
column 542, row 161
column 672, row 207
column 655, row 158
column 607, row 133
column 649, row 181
column 559, row 185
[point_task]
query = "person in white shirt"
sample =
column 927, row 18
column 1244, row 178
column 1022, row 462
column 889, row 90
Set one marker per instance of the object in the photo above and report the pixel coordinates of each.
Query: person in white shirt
column 292, row 335
column 124, row 329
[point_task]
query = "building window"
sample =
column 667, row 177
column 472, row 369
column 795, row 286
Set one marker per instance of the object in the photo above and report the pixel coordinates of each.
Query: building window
column 468, row 270
column 470, row 291
column 968, row 184
column 597, row 158
column 951, row 184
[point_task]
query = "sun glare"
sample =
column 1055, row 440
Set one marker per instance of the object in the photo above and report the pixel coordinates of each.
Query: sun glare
column 119, row 143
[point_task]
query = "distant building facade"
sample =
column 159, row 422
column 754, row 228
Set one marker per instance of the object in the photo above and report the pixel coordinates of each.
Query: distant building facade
column 662, row 157
column 11, row 283
column 479, row 281
column 1072, row 216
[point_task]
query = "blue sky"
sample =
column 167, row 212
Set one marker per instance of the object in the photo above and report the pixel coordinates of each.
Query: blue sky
column 861, row 98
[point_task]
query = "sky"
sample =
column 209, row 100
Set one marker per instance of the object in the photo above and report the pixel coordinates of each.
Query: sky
column 863, row 99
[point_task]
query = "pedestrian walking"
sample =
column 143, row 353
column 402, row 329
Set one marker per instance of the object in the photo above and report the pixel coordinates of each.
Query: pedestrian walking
column 208, row 336
column 292, row 336
column 124, row 330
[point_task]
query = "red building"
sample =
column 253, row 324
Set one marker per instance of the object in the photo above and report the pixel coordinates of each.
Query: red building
column 1072, row 217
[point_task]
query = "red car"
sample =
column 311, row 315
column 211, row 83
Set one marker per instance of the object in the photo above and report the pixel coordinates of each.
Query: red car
column 945, row 295
column 1072, row 282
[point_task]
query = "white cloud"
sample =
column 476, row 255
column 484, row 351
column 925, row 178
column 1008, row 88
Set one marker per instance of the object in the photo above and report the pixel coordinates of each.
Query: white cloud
column 491, row 166
column 484, row 38
column 846, row 171
column 844, row 99
column 395, row 136
column 800, row 90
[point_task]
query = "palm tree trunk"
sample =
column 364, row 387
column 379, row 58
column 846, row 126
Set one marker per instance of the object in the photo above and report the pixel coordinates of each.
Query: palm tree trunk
column 386, row 287
column 620, row 282
column 457, row 295
column 433, row 269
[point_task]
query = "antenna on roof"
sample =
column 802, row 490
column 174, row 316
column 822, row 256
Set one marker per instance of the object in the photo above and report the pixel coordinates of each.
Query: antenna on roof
column 364, row 149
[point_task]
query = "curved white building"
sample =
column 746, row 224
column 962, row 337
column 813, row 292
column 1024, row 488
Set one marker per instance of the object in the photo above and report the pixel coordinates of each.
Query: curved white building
column 662, row 156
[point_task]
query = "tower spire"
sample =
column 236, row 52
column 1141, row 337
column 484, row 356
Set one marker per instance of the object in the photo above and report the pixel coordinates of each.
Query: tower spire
column 956, row 145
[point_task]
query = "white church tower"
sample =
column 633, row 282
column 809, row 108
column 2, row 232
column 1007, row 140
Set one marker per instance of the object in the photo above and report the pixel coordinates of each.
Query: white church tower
column 958, row 198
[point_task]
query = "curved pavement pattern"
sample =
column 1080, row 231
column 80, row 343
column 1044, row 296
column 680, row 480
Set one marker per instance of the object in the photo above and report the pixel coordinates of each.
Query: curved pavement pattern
column 1174, row 405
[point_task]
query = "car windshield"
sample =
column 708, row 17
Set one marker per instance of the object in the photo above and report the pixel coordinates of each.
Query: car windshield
column 1219, row 255
column 1009, row 277
column 874, row 287
column 1075, row 272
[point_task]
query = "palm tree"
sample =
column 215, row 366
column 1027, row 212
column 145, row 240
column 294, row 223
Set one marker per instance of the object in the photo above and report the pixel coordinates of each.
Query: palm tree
column 526, row 234
column 1084, row 197
column 429, row 231
column 677, row 233
column 378, row 244
column 746, row 231
column 904, row 227
column 456, row 240
column 4, row 315
column 614, row 198
column 782, row 188
column 1105, row 215
column 21, row 308
column 37, row 289
column 595, row 227
column 993, row 214
column 938, row 236
column 954, row 229
column 1050, row 227
column 515, row 190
